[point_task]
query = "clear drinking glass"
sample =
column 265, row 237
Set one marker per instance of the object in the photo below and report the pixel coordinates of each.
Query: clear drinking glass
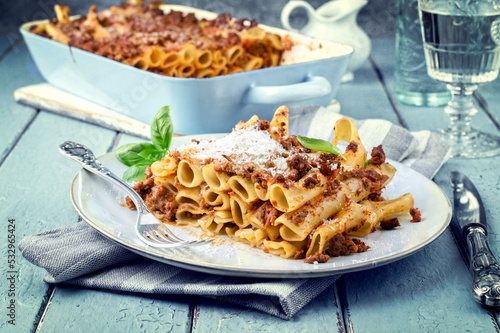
column 462, row 49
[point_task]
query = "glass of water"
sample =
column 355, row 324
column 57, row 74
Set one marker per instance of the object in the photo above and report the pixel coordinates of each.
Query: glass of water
column 462, row 49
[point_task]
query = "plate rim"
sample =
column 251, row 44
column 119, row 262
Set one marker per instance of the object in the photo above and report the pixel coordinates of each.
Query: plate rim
column 214, row 268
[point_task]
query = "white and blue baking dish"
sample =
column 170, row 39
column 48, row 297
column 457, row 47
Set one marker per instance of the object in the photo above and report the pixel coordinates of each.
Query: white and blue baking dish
column 310, row 73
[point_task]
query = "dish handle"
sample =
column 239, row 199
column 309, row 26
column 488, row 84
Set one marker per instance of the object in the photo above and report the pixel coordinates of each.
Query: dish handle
column 313, row 87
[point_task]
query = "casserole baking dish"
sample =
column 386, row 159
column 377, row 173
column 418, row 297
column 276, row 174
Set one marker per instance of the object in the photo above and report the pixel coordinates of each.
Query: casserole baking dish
column 310, row 73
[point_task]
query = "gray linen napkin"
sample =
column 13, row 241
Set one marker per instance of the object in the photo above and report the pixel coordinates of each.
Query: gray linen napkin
column 78, row 255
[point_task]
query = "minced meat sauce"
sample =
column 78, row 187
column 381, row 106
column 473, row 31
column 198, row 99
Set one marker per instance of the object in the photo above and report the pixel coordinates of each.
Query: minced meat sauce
column 339, row 245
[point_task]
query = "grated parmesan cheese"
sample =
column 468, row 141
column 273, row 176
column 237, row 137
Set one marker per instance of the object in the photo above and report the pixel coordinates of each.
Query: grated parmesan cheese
column 244, row 146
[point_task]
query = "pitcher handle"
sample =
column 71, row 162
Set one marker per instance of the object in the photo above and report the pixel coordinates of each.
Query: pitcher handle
column 287, row 10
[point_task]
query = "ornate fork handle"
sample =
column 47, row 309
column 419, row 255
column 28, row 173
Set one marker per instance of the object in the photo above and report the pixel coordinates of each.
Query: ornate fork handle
column 87, row 159
column 484, row 267
column 82, row 155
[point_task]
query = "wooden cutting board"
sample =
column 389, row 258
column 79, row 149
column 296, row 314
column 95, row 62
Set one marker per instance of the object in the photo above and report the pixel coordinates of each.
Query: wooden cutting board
column 47, row 97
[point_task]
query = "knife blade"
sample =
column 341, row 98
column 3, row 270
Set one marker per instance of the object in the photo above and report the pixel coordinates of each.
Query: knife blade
column 470, row 229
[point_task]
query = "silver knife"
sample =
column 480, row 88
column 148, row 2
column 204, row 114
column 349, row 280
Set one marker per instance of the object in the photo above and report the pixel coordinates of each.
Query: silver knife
column 470, row 225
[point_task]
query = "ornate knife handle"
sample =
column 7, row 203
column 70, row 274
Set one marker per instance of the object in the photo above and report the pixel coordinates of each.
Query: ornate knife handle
column 485, row 268
column 87, row 159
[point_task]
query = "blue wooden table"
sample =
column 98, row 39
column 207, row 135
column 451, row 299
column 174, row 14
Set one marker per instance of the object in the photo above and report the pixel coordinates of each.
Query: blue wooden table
column 426, row 292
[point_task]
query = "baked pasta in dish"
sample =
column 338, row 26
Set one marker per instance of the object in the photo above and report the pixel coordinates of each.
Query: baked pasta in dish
column 172, row 44
column 262, row 186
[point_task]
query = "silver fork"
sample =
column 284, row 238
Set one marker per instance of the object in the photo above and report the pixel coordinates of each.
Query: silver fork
column 153, row 232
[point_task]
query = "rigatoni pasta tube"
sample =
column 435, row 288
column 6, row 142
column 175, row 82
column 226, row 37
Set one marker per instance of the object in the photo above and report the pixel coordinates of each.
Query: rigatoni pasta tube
column 188, row 54
column 203, row 59
column 345, row 130
column 189, row 174
column 167, row 166
column 253, row 237
column 358, row 219
column 155, row 56
column 243, row 187
column 233, row 53
column 279, row 124
column 216, row 180
column 170, row 59
column 223, row 216
column 239, row 210
column 288, row 198
column 189, row 196
column 297, row 225
column 186, row 214
column 379, row 210
column 253, row 63
column 208, row 224
column 213, row 197
column 284, row 249
column 168, row 182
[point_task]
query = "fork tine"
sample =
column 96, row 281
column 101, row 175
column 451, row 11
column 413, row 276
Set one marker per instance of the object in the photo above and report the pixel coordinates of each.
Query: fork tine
column 167, row 232
column 159, row 235
column 200, row 242
column 162, row 237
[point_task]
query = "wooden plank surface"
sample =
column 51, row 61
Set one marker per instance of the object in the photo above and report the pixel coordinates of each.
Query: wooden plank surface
column 38, row 177
column 322, row 314
column 15, row 117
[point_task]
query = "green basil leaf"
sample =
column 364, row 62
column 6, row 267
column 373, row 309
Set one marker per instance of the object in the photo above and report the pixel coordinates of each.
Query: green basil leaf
column 134, row 173
column 162, row 129
column 320, row 145
column 138, row 154
column 152, row 155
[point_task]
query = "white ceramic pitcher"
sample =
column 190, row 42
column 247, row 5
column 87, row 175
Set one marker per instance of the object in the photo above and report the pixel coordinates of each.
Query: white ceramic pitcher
column 335, row 21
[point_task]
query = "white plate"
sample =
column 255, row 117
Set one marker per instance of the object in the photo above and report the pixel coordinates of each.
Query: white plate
column 98, row 202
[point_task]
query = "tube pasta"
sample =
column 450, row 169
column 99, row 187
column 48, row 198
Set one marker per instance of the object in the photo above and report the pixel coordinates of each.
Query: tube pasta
column 253, row 63
column 253, row 237
column 170, row 60
column 279, row 123
column 167, row 43
column 345, row 130
column 209, row 225
column 358, row 219
column 188, row 54
column 377, row 211
column 92, row 23
column 243, row 187
column 214, row 179
column 260, row 186
column 284, row 249
column 56, row 33
column 289, row 198
column 203, row 59
column 189, row 197
column 233, row 53
column 239, row 210
column 155, row 56
column 167, row 166
column 168, row 182
column 62, row 14
column 188, row 174
column 223, row 216
column 186, row 214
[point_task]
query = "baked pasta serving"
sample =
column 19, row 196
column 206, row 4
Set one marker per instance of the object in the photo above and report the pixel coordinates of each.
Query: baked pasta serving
column 172, row 44
column 266, row 188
